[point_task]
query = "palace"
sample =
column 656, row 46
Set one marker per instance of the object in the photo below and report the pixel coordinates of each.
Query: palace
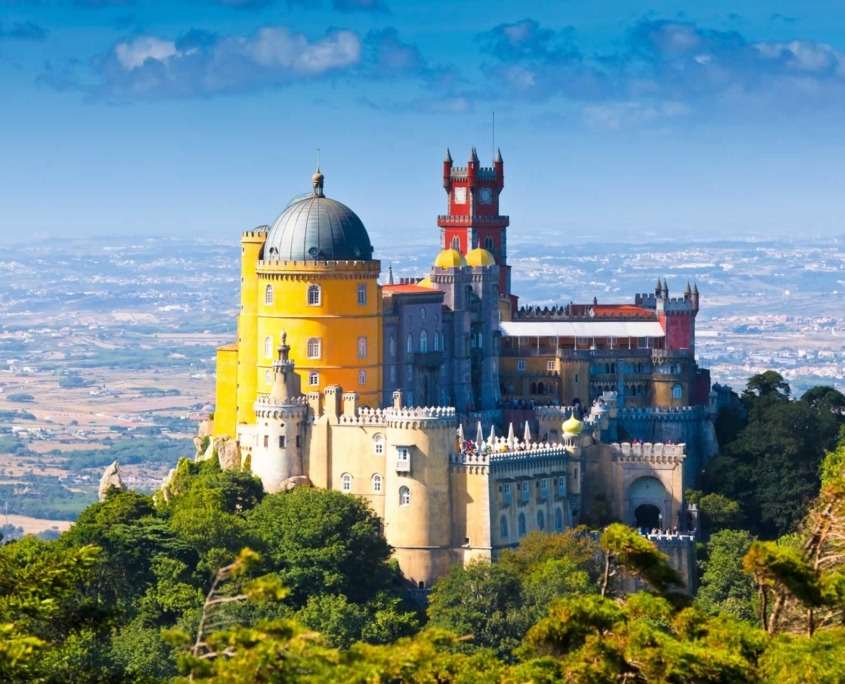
column 463, row 418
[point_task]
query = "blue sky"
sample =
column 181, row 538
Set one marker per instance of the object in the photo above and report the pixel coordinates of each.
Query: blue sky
column 616, row 119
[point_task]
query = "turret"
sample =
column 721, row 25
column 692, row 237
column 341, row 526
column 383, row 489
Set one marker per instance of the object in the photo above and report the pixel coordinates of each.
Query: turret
column 694, row 297
column 472, row 167
column 447, row 171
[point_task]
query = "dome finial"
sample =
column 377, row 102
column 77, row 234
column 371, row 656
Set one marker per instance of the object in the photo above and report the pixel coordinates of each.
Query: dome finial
column 317, row 183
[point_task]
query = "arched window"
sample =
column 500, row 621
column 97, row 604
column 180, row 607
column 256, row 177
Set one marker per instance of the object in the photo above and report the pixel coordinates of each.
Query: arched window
column 313, row 378
column 404, row 496
column 456, row 243
column 362, row 377
column 677, row 392
column 362, row 347
column 423, row 342
column 378, row 445
column 541, row 520
column 521, row 524
column 346, row 482
column 268, row 294
column 314, row 347
column 435, row 342
column 503, row 527
column 268, row 347
column 375, row 482
column 362, row 294
column 558, row 520
column 409, row 345
column 314, row 295
column 488, row 243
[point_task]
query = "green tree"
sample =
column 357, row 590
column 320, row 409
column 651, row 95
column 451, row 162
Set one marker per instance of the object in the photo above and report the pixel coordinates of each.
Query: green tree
column 725, row 587
column 768, row 385
column 626, row 549
column 483, row 602
column 322, row 542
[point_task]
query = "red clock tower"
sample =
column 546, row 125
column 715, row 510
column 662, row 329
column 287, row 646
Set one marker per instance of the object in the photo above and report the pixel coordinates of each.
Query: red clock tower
column 472, row 219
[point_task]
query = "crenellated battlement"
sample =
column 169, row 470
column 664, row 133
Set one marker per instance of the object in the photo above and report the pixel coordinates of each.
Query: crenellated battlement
column 677, row 414
column 365, row 416
column 649, row 452
column 258, row 234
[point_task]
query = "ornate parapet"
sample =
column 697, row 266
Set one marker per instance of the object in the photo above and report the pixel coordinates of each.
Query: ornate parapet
column 267, row 407
column 417, row 417
column 648, row 453
column 365, row 416
column 678, row 414
column 502, row 455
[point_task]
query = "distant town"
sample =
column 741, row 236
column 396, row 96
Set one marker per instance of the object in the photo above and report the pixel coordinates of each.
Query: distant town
column 107, row 347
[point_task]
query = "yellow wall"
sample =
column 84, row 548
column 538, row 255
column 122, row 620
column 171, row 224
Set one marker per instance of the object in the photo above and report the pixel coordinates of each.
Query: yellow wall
column 339, row 320
column 225, row 410
column 251, row 244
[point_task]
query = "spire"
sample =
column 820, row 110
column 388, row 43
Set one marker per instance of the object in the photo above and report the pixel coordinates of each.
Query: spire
column 460, row 434
column 665, row 288
column 479, row 434
column 473, row 157
column 688, row 291
column 283, row 382
column 492, row 438
column 659, row 288
column 390, row 274
column 511, row 435
column 695, row 289
column 499, row 159
column 317, row 183
column 448, row 157
column 526, row 436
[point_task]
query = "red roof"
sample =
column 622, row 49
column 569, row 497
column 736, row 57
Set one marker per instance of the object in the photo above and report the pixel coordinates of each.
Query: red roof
column 623, row 311
column 408, row 289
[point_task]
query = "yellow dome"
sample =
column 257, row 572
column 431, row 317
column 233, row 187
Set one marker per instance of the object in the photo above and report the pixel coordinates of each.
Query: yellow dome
column 450, row 258
column 572, row 426
column 425, row 282
column 480, row 257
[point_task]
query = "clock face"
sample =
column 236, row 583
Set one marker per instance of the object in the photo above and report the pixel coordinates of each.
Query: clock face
column 486, row 195
column 460, row 195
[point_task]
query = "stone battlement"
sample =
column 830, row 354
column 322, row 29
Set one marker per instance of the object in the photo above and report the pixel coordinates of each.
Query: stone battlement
column 648, row 452
column 679, row 413
column 365, row 416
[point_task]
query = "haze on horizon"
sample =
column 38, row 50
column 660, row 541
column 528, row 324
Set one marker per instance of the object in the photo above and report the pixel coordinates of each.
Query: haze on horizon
column 616, row 119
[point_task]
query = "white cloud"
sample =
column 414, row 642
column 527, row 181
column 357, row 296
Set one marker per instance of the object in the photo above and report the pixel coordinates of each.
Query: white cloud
column 277, row 47
column 134, row 53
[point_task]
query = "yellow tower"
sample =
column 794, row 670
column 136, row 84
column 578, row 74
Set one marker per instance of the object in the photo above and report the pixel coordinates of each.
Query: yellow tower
column 311, row 275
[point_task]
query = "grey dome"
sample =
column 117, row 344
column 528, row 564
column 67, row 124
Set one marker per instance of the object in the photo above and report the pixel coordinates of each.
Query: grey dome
column 316, row 227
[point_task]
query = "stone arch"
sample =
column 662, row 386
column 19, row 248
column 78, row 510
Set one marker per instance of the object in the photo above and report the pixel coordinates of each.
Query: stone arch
column 646, row 500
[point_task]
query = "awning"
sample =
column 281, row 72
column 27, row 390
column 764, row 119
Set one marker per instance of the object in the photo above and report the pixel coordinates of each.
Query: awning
column 581, row 329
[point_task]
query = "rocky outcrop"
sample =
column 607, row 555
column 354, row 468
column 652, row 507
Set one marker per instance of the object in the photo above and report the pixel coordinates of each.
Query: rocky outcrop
column 228, row 453
column 110, row 480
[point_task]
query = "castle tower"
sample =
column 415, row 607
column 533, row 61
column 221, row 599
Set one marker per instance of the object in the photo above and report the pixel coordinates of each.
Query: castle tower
column 279, row 427
column 472, row 218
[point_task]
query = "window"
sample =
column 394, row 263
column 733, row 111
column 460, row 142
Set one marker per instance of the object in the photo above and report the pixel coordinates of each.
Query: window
column 403, row 459
column 392, row 345
column 558, row 520
column 544, row 489
column 268, row 377
column 409, row 344
column 521, row 524
column 313, row 378
column 314, row 347
column 393, row 374
column 523, row 492
column 375, row 483
column 314, row 295
column 435, row 341
column 488, row 243
column 362, row 347
column 460, row 195
column 520, row 364
column 561, row 486
column 404, row 496
column 423, row 342
column 456, row 243
column 677, row 392
column 268, row 347
column 503, row 527
column 550, row 365
column 422, row 314
column 281, row 441
column 378, row 445
column 266, row 441
column 362, row 377
column 362, row 294
column 346, row 482
column 268, row 294
column 541, row 520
